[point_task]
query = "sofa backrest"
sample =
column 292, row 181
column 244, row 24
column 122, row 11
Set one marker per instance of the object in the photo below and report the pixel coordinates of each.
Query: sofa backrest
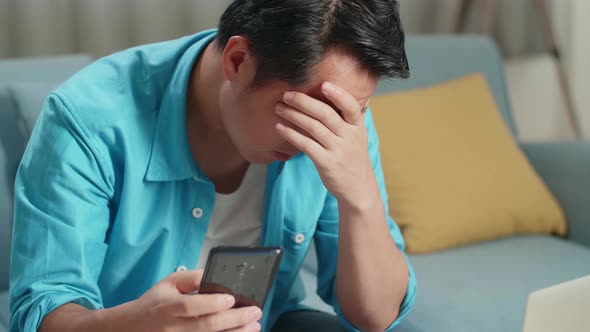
column 24, row 84
column 434, row 59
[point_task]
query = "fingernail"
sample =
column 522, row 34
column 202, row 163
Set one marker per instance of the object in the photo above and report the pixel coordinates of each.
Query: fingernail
column 328, row 87
column 255, row 313
column 280, row 107
column 288, row 96
column 255, row 328
column 229, row 300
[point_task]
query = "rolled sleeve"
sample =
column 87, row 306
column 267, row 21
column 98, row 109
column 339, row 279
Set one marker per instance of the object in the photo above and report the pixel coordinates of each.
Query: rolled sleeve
column 62, row 194
column 326, row 240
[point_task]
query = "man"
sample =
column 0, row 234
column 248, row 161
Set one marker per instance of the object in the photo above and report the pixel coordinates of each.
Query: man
column 255, row 134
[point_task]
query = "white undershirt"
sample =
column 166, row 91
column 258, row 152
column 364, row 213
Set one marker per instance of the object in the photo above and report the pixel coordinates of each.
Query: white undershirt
column 237, row 217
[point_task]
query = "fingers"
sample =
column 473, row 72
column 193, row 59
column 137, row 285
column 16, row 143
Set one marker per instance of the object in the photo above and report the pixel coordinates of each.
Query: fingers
column 315, row 109
column 187, row 281
column 310, row 147
column 310, row 125
column 344, row 101
column 229, row 320
column 202, row 304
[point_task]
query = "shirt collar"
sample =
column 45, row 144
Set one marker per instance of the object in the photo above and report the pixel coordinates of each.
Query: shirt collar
column 171, row 158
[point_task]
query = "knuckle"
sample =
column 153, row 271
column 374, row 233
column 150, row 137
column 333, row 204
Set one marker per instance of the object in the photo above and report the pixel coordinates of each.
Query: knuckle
column 184, row 307
column 316, row 128
column 211, row 323
column 327, row 109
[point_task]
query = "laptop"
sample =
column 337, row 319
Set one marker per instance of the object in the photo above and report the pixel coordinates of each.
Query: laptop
column 564, row 308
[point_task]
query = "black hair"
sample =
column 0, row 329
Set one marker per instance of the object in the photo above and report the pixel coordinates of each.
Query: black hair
column 290, row 37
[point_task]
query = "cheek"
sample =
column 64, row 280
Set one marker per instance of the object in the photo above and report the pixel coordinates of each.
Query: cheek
column 257, row 127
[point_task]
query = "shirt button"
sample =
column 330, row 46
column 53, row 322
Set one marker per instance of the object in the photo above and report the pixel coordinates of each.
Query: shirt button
column 299, row 238
column 181, row 268
column 197, row 213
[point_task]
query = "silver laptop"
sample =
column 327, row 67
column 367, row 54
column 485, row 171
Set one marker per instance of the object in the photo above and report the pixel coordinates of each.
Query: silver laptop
column 560, row 308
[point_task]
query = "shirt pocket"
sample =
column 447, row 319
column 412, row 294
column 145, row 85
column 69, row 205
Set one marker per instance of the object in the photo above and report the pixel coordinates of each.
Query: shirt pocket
column 295, row 244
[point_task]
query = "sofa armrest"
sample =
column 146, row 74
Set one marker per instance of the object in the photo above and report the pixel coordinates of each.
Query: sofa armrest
column 565, row 168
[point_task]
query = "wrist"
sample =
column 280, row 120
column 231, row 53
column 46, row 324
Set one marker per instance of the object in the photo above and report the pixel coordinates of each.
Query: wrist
column 124, row 317
column 361, row 200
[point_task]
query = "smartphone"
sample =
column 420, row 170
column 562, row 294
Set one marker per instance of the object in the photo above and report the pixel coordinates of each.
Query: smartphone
column 247, row 273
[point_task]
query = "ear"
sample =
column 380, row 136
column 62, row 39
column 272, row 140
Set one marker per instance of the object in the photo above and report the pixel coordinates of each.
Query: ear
column 238, row 61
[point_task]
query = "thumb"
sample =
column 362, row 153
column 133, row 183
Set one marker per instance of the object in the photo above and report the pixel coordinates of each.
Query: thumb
column 187, row 281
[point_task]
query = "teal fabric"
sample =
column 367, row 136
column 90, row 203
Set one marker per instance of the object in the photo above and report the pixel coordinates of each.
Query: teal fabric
column 434, row 59
column 565, row 168
column 107, row 185
column 485, row 287
column 15, row 76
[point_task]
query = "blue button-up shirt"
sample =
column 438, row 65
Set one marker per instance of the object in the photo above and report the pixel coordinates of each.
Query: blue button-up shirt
column 105, row 194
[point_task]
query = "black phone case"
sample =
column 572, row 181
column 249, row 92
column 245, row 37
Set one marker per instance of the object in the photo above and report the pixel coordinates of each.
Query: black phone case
column 247, row 273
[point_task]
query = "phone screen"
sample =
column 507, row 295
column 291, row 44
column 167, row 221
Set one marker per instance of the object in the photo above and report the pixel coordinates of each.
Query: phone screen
column 247, row 273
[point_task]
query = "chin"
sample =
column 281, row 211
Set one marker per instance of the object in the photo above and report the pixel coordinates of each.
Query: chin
column 260, row 158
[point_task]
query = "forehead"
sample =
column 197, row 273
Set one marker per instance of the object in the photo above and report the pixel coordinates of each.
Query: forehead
column 343, row 70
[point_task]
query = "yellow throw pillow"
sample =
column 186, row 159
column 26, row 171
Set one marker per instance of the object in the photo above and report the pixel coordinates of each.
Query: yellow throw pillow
column 453, row 172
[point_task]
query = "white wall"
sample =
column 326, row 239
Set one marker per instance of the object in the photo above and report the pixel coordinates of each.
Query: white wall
column 98, row 27
column 578, row 58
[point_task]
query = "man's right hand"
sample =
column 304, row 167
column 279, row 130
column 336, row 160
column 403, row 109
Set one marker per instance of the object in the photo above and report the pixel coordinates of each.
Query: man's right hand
column 166, row 307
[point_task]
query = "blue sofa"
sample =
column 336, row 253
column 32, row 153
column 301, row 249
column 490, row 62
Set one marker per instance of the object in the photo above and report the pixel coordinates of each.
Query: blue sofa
column 482, row 287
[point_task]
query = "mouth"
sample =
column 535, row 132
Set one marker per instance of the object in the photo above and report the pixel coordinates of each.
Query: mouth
column 282, row 156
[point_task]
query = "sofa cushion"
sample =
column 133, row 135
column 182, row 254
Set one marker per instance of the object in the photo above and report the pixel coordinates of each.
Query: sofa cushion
column 482, row 287
column 42, row 69
column 453, row 172
column 29, row 99
column 485, row 287
column 4, row 311
column 12, row 144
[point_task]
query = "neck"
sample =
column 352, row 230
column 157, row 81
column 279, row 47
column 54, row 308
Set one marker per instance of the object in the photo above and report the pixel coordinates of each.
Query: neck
column 211, row 147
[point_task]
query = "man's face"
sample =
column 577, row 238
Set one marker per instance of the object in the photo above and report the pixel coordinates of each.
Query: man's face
column 249, row 116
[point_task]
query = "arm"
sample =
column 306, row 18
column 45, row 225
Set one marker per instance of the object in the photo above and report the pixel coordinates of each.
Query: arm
column 366, row 242
column 367, row 279
column 62, row 195
column 61, row 217
column 350, row 260
column 73, row 317
column 565, row 168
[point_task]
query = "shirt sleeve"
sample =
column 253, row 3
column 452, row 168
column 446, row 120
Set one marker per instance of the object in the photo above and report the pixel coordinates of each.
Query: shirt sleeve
column 62, row 194
column 326, row 241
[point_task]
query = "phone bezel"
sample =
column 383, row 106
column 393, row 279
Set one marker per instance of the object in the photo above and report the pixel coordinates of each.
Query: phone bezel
column 239, row 250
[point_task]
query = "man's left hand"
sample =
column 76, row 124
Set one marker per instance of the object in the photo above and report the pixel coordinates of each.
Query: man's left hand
column 336, row 144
